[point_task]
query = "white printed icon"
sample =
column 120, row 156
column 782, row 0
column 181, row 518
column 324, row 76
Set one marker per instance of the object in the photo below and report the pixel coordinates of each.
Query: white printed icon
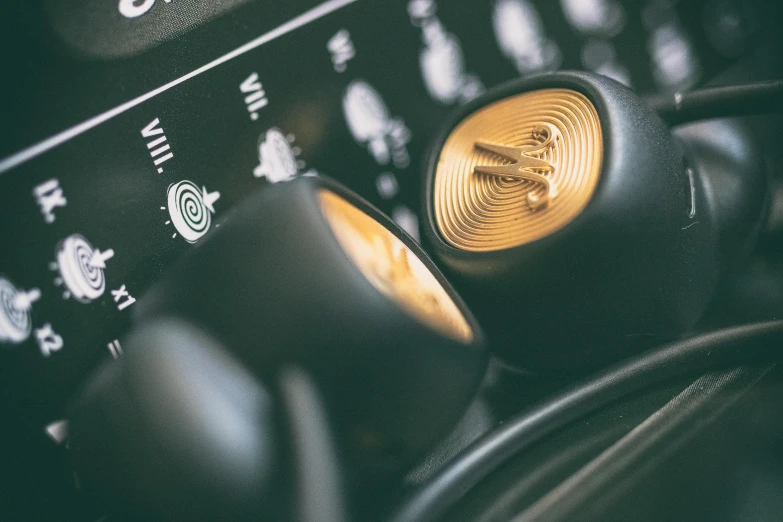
column 441, row 59
column 600, row 17
column 48, row 340
column 341, row 48
column 277, row 156
column 256, row 95
column 115, row 348
column 521, row 37
column 57, row 431
column 366, row 112
column 15, row 305
column 81, row 268
column 443, row 67
column 387, row 185
column 190, row 209
column 370, row 123
column 159, row 149
column 136, row 8
column 120, row 294
column 49, row 196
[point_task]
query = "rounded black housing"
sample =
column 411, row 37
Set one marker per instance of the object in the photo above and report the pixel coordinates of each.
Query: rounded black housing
column 177, row 429
column 636, row 266
column 274, row 285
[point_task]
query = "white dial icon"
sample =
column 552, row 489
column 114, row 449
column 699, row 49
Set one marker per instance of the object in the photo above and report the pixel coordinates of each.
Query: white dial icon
column 191, row 209
column 277, row 156
column 15, row 304
column 81, row 268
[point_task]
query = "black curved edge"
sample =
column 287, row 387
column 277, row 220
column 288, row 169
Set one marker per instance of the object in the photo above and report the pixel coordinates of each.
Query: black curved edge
column 369, row 209
column 762, row 340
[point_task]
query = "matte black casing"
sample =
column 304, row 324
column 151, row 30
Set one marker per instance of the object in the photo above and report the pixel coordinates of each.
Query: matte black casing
column 177, row 429
column 273, row 284
column 631, row 269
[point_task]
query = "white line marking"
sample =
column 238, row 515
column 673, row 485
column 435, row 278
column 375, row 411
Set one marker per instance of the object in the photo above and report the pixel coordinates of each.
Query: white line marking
column 303, row 19
column 115, row 348
column 260, row 104
column 155, row 143
column 164, row 158
column 253, row 97
column 158, row 152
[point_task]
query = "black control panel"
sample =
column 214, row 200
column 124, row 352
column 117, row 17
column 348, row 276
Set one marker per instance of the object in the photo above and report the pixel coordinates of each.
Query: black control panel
column 131, row 129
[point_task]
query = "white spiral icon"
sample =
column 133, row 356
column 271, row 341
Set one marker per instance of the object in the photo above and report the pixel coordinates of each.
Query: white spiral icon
column 81, row 267
column 15, row 323
column 191, row 209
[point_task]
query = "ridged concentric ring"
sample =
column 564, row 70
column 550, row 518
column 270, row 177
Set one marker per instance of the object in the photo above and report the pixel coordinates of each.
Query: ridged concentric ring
column 481, row 212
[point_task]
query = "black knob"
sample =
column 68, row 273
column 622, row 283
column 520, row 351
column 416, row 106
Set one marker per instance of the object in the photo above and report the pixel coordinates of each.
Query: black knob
column 177, row 430
column 307, row 273
column 572, row 222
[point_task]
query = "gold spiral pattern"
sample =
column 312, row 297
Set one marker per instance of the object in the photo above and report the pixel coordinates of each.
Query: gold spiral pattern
column 481, row 212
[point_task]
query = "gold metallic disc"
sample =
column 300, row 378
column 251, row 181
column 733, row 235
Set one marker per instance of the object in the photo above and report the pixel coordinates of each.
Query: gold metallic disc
column 517, row 170
column 393, row 268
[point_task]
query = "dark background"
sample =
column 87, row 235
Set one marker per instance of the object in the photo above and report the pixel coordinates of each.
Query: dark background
column 65, row 62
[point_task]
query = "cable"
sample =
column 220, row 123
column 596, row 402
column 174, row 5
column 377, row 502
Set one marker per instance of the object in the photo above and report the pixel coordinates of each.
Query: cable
column 720, row 347
column 719, row 102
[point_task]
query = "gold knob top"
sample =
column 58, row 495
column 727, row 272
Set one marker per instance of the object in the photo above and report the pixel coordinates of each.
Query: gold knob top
column 393, row 268
column 517, row 170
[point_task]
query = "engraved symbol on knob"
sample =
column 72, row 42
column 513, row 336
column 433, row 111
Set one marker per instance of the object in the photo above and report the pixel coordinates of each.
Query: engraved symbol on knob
column 524, row 166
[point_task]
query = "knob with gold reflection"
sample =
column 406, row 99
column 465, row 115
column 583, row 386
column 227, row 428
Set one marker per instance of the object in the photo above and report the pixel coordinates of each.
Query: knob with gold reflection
column 308, row 273
column 569, row 219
